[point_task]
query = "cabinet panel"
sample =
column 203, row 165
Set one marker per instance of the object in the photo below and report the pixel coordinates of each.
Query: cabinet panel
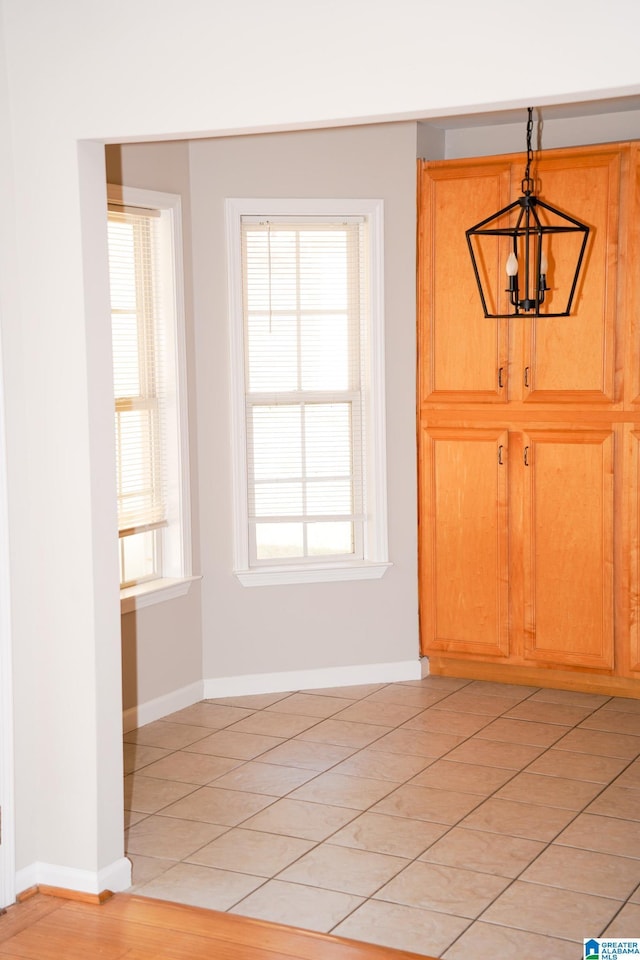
column 572, row 359
column 464, row 540
column 462, row 351
column 568, row 549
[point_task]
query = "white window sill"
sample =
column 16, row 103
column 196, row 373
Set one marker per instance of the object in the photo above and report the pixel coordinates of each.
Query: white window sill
column 265, row 576
column 155, row 591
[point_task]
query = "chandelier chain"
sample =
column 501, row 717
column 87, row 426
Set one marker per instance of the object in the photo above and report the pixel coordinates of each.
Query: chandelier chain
column 527, row 183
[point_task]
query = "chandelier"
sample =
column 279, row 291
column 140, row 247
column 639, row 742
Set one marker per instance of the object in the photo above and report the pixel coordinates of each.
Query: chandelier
column 528, row 236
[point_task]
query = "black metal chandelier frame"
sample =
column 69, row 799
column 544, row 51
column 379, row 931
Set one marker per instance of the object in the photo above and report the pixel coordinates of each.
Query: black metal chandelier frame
column 527, row 237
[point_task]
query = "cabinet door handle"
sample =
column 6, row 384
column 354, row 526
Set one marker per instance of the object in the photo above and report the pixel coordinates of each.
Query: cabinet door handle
column 500, row 381
column 500, row 454
column 526, row 456
column 526, row 376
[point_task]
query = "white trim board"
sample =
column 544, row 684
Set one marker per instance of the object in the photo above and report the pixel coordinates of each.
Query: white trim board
column 314, row 679
column 7, row 848
column 115, row 877
column 159, row 707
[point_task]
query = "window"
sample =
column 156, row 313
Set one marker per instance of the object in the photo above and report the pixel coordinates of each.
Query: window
column 148, row 375
column 307, row 340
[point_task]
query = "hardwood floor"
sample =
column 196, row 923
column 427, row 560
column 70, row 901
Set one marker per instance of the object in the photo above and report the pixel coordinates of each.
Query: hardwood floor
column 129, row 927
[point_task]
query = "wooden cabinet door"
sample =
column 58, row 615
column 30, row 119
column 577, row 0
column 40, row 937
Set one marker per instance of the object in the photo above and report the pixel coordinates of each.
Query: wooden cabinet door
column 464, row 541
column 631, row 546
column 568, row 547
column 572, row 359
column 463, row 354
column 630, row 266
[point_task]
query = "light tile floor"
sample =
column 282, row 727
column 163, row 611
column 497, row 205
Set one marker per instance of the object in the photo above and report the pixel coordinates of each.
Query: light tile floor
column 452, row 818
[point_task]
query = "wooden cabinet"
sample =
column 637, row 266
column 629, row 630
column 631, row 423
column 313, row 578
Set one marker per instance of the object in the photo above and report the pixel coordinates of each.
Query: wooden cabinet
column 529, row 436
column 467, row 358
column 517, row 561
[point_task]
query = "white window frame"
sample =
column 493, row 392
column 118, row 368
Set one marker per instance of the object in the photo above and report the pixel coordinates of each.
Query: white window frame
column 376, row 556
column 176, row 578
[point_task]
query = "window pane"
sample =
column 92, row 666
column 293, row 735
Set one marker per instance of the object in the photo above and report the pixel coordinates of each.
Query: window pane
column 139, row 486
column 278, row 540
column 273, row 353
column 323, row 270
column 278, row 499
column 271, row 280
column 122, row 274
column 277, row 442
column 139, row 556
column 126, row 367
column 329, row 497
column 134, row 433
column 325, row 539
column 328, row 439
column 325, row 353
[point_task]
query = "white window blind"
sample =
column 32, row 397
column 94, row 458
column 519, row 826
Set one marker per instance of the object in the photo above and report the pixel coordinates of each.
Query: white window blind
column 138, row 331
column 305, row 309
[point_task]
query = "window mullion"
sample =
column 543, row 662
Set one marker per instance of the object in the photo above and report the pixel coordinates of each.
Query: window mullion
column 141, row 301
column 303, row 416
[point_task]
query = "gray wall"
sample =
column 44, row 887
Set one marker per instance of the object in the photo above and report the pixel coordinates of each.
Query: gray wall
column 162, row 644
column 436, row 142
column 278, row 628
column 267, row 629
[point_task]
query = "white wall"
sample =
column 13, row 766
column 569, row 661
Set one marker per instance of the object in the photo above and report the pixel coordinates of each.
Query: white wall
column 82, row 70
column 7, row 306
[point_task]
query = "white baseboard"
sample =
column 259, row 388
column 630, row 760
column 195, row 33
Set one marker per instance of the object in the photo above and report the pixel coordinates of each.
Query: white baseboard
column 115, row 877
column 288, row 680
column 351, row 676
column 155, row 709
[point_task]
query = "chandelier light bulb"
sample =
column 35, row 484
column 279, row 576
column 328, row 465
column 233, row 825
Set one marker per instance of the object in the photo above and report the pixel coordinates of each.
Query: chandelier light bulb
column 512, row 265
